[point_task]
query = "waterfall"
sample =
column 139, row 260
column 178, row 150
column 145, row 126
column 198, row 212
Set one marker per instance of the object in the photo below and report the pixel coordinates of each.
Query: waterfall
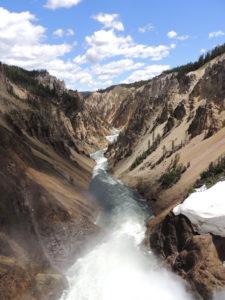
column 118, row 267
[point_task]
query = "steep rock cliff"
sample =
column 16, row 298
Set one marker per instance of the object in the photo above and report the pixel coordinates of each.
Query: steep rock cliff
column 45, row 211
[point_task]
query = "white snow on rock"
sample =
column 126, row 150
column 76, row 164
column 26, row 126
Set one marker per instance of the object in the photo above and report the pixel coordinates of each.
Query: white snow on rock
column 206, row 209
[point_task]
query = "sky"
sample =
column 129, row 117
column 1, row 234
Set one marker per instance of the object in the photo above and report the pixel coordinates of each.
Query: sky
column 92, row 44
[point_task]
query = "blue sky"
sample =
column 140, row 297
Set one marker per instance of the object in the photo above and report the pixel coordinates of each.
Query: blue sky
column 92, row 44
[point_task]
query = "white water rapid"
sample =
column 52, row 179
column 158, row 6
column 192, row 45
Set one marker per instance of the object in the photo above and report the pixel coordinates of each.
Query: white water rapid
column 118, row 268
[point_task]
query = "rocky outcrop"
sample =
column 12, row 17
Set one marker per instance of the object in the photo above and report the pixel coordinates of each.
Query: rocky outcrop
column 199, row 123
column 169, row 125
column 211, row 86
column 196, row 258
column 179, row 111
column 47, row 80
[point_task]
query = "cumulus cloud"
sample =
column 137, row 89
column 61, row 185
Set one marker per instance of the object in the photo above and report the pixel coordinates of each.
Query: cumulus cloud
column 173, row 35
column 183, row 37
column 54, row 4
column 146, row 73
column 115, row 68
column 70, row 32
column 18, row 28
column 104, row 44
column 215, row 34
column 172, row 46
column 22, row 41
column 148, row 27
column 60, row 32
column 109, row 21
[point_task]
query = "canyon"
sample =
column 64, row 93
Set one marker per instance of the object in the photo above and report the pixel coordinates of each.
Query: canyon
column 170, row 128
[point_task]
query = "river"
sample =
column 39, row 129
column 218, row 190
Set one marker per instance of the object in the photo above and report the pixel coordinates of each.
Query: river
column 118, row 267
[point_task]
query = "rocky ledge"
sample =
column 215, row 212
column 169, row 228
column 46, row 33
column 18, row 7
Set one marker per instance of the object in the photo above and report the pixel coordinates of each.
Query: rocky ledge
column 198, row 258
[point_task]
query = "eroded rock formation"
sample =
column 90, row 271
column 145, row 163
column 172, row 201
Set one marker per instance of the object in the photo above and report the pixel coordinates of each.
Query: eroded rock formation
column 196, row 258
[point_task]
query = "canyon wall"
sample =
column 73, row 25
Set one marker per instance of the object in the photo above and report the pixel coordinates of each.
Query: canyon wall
column 46, row 212
column 172, row 127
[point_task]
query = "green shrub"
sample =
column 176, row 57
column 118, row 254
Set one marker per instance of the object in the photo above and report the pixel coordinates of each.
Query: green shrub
column 172, row 176
column 145, row 154
column 214, row 173
column 173, row 173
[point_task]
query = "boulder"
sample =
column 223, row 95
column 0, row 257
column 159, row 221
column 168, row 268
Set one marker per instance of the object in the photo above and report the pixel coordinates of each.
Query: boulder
column 196, row 258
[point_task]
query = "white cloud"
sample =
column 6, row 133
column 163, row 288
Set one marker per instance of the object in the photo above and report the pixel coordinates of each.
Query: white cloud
column 146, row 73
column 70, row 32
column 54, row 4
column 23, row 42
column 215, row 34
column 60, row 32
column 17, row 28
column 148, row 27
column 173, row 46
column 173, row 35
column 183, row 37
column 115, row 68
column 104, row 44
column 109, row 21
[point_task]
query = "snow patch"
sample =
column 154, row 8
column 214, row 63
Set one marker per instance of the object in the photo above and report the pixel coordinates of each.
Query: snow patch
column 206, row 209
column 201, row 189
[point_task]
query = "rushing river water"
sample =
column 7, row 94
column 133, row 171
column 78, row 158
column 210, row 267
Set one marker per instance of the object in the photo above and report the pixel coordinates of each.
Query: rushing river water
column 118, row 268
